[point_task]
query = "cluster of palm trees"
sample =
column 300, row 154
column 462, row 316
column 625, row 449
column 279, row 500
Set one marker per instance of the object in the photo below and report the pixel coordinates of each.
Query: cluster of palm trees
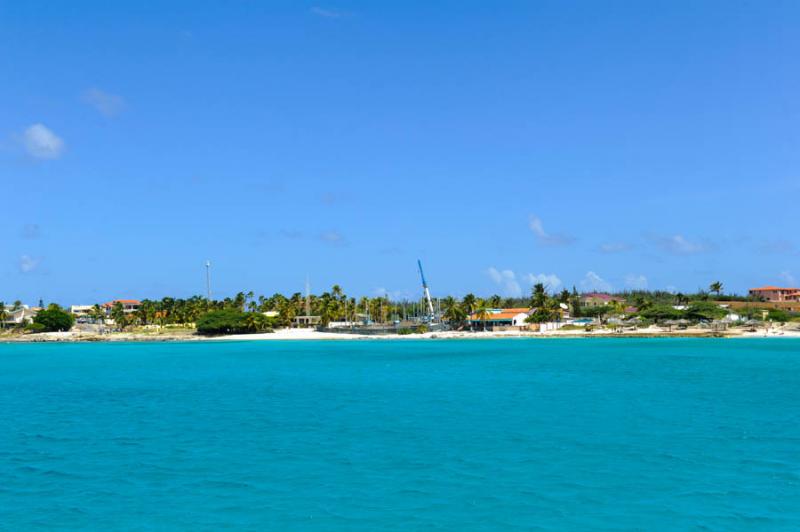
column 335, row 305
column 546, row 307
column 332, row 305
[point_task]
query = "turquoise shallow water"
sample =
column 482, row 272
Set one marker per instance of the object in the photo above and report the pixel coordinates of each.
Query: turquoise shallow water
column 365, row 435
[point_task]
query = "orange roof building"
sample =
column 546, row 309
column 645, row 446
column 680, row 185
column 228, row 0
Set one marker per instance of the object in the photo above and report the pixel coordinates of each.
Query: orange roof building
column 501, row 316
column 776, row 293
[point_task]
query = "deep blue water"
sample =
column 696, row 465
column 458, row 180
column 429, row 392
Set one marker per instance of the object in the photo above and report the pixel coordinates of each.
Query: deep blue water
column 365, row 435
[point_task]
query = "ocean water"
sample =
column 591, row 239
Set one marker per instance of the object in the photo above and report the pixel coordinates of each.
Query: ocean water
column 519, row 434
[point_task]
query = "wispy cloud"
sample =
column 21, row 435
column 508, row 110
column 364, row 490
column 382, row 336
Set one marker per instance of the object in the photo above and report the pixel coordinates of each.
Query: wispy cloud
column 507, row 280
column 393, row 295
column 28, row 264
column 777, row 247
column 292, row 234
column 333, row 237
column 325, row 12
column 788, row 278
column 635, row 282
column 31, row 231
column 545, row 238
column 594, row 283
column 679, row 245
column 42, row 143
column 549, row 280
column 109, row 105
column 614, row 247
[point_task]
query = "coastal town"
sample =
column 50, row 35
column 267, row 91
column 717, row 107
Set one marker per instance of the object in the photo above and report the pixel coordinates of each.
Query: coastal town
column 765, row 311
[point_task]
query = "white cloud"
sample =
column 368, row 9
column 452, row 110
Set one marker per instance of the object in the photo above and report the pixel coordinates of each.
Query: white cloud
column 537, row 228
column 27, row 264
column 678, row 245
column 594, row 283
column 108, row 104
column 393, row 295
column 788, row 278
column 549, row 280
column 42, row 143
column 507, row 279
column 636, row 282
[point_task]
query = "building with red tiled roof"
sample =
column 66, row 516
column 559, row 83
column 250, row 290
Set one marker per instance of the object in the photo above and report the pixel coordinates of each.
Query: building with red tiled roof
column 776, row 293
column 128, row 305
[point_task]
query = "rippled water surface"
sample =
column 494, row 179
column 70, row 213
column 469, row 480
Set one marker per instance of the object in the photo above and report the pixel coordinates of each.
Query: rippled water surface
column 366, row 435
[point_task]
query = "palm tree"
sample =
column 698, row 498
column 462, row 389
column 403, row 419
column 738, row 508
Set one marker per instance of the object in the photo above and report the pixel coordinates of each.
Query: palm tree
column 469, row 303
column 453, row 312
column 482, row 308
column 3, row 315
column 564, row 296
column 715, row 287
column 617, row 306
column 538, row 296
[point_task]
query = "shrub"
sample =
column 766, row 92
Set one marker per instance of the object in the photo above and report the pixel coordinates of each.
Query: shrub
column 34, row 328
column 231, row 321
column 705, row 310
column 54, row 318
column 779, row 315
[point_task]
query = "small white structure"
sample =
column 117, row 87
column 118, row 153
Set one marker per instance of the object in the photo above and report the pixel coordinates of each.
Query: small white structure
column 80, row 310
column 518, row 320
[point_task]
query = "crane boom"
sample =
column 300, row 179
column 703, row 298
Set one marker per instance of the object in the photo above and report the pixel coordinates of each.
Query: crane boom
column 425, row 290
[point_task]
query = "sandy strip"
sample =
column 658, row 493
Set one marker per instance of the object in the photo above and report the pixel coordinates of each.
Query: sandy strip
column 310, row 334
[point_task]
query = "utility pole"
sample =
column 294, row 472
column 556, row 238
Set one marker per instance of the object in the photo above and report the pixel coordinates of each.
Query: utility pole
column 208, row 279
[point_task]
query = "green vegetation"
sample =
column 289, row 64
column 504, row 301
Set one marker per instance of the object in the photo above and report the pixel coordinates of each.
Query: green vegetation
column 54, row 318
column 231, row 321
column 34, row 328
column 246, row 312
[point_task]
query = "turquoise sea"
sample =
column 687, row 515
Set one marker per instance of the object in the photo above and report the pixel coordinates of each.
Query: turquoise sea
column 519, row 434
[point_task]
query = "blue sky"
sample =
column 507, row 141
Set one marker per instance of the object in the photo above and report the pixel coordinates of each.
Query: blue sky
column 599, row 144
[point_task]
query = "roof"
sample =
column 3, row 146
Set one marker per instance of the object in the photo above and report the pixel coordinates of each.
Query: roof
column 498, row 314
column 774, row 288
column 598, row 295
column 123, row 301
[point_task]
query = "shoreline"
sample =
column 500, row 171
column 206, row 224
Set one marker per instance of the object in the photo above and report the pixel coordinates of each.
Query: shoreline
column 308, row 334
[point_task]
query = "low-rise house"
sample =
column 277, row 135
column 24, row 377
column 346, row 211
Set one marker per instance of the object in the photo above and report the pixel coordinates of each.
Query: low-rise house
column 501, row 317
column 597, row 299
column 20, row 316
column 306, row 321
column 128, row 305
column 776, row 293
column 80, row 310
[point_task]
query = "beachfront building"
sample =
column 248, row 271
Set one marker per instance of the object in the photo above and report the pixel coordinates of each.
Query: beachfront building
column 775, row 293
column 80, row 310
column 306, row 321
column 500, row 317
column 20, row 316
column 597, row 299
column 128, row 305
